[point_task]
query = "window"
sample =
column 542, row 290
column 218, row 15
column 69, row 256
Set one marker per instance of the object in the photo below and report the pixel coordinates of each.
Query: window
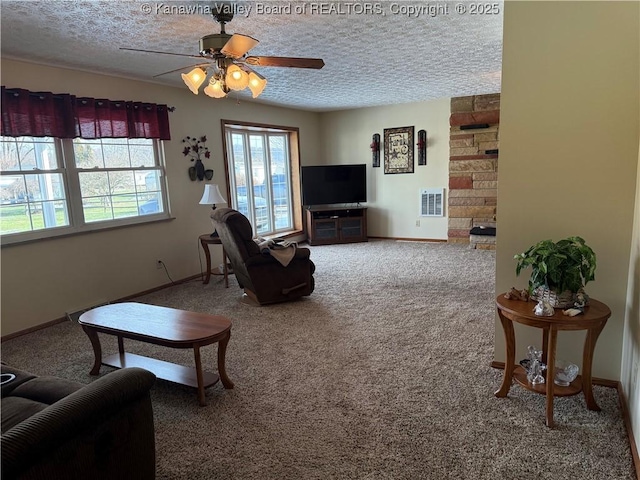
column 263, row 170
column 118, row 178
column 32, row 188
column 52, row 186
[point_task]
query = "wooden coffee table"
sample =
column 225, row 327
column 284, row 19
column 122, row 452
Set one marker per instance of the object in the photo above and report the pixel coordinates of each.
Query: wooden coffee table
column 161, row 326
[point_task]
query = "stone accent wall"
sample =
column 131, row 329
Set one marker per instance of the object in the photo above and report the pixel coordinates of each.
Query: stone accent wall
column 473, row 173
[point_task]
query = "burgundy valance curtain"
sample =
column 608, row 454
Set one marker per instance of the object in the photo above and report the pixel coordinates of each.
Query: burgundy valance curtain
column 45, row 114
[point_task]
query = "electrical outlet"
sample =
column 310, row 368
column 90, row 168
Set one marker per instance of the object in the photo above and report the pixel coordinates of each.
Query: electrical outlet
column 159, row 264
column 417, row 223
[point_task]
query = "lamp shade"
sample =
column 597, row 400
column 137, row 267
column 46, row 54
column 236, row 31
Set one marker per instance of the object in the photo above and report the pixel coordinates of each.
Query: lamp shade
column 236, row 78
column 256, row 83
column 211, row 195
column 215, row 88
column 194, row 79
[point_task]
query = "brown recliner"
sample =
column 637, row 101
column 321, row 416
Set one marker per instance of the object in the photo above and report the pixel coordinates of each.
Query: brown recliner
column 263, row 278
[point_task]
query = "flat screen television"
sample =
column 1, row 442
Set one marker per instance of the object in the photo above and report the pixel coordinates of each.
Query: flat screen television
column 331, row 184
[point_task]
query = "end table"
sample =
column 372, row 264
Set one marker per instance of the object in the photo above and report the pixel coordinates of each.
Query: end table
column 205, row 241
column 592, row 320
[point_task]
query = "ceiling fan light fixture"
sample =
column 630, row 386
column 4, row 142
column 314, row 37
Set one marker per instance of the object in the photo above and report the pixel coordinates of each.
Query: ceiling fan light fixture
column 194, row 79
column 256, row 83
column 227, row 62
column 236, row 78
column 215, row 89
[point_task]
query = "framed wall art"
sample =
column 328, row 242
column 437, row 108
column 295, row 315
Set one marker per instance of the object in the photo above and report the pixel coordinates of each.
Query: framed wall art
column 398, row 150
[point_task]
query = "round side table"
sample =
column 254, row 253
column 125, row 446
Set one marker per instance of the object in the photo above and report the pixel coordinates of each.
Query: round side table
column 592, row 320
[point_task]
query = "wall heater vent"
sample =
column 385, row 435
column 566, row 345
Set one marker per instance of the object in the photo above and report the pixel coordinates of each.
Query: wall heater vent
column 432, row 202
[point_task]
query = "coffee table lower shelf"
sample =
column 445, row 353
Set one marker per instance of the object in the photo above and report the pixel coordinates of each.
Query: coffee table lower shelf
column 163, row 370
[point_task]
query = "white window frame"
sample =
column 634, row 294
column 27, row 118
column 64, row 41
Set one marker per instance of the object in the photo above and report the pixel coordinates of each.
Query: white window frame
column 265, row 133
column 73, row 197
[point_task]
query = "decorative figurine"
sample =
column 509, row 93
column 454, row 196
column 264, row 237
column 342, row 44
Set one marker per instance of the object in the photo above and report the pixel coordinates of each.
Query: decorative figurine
column 543, row 309
column 515, row 294
column 536, row 367
column 582, row 299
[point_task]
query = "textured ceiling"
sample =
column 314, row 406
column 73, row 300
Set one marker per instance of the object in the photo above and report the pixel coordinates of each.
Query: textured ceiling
column 385, row 56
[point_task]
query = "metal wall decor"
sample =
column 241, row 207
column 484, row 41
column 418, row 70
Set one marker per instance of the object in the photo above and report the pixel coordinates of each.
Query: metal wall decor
column 375, row 150
column 422, row 147
column 398, row 150
column 195, row 149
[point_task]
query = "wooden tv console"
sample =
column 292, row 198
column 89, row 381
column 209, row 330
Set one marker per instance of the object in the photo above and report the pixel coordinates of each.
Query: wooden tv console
column 327, row 225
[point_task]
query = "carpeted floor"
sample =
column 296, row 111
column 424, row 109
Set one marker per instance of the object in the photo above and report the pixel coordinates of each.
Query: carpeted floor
column 383, row 373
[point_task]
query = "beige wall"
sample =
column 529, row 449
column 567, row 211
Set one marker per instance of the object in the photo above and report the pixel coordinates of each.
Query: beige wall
column 393, row 199
column 569, row 150
column 43, row 280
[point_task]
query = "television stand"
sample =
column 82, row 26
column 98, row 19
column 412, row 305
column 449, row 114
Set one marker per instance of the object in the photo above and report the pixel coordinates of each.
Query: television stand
column 330, row 225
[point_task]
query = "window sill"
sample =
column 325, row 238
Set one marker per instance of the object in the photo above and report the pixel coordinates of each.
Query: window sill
column 7, row 241
column 288, row 235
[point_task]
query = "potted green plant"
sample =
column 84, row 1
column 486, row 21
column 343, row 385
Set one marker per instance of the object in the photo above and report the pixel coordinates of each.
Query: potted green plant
column 559, row 270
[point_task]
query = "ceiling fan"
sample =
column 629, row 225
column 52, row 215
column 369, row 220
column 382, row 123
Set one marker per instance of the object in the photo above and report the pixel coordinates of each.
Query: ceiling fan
column 226, row 57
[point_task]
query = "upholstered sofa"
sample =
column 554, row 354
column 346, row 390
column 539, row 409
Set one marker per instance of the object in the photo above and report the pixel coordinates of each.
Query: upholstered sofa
column 263, row 278
column 54, row 428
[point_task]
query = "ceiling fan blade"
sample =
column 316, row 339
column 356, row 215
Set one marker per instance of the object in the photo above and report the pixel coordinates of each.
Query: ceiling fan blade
column 163, row 53
column 316, row 63
column 238, row 45
column 183, row 68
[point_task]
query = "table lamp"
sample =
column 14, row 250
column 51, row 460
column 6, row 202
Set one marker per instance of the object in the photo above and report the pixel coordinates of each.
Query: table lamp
column 211, row 196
